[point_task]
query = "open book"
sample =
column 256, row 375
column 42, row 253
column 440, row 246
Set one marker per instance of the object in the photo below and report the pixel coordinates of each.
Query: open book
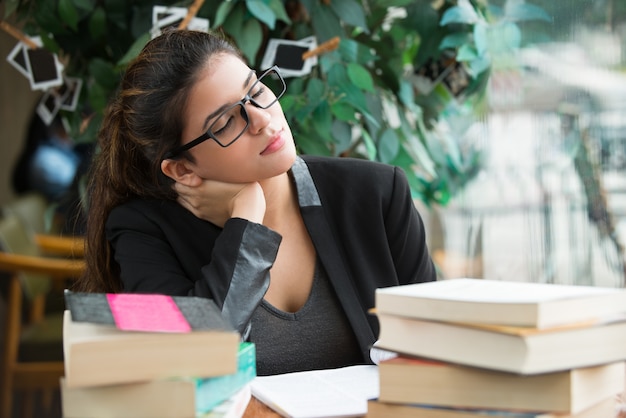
column 331, row 393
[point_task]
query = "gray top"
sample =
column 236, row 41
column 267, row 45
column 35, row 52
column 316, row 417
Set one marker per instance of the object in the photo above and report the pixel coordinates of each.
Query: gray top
column 318, row 335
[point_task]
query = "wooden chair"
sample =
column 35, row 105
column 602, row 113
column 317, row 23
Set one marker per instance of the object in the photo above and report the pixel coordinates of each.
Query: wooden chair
column 32, row 358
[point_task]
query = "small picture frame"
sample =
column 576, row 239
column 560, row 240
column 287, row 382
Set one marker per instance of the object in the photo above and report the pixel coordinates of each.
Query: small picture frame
column 42, row 68
column 287, row 55
column 70, row 92
column 48, row 107
column 446, row 70
column 17, row 58
column 165, row 17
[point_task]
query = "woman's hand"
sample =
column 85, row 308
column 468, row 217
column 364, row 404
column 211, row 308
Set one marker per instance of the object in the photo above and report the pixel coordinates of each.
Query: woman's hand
column 217, row 202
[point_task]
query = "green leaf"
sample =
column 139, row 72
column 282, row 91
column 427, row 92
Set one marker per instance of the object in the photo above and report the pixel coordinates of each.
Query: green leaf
column 350, row 12
column 279, row 10
column 388, row 146
column 86, row 5
column 360, row 77
column 249, row 39
column 103, row 73
column 481, row 38
column 311, row 144
column 342, row 133
column 479, row 65
column 466, row 53
column 322, row 120
column 326, row 24
column 234, row 21
column 406, row 94
column 343, row 111
column 463, row 13
column 393, row 3
column 222, row 13
column 134, row 49
column 98, row 97
column 97, row 23
column 454, row 40
column 370, row 146
column 341, row 85
column 511, row 36
column 68, row 14
column 262, row 11
column 516, row 12
column 315, row 90
column 287, row 102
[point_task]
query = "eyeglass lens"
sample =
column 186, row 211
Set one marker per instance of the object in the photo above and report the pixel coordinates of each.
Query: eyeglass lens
column 232, row 123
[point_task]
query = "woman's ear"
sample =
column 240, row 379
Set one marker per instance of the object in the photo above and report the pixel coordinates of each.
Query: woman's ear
column 181, row 172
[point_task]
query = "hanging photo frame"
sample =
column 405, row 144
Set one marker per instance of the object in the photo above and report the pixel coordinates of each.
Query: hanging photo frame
column 17, row 59
column 445, row 70
column 287, row 55
column 48, row 107
column 71, row 93
column 42, row 68
column 164, row 17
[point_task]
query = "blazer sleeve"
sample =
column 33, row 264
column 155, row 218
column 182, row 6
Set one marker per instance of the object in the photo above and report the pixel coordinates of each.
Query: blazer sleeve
column 167, row 254
column 406, row 235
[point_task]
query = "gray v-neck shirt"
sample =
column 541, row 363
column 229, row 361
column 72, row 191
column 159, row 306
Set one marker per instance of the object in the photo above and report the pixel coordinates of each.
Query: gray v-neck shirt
column 318, row 336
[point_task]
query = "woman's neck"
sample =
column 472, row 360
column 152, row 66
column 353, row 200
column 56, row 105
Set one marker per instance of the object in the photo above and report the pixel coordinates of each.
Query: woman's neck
column 281, row 200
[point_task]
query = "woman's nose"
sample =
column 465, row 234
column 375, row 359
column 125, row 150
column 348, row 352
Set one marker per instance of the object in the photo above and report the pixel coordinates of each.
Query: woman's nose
column 257, row 118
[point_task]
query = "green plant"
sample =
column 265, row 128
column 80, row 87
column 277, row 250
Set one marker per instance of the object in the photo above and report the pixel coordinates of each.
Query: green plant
column 361, row 99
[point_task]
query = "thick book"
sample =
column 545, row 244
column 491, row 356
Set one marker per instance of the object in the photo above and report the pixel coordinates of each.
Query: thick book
column 419, row 381
column 145, row 337
column 378, row 409
column 537, row 305
column 176, row 401
column 184, row 397
column 509, row 349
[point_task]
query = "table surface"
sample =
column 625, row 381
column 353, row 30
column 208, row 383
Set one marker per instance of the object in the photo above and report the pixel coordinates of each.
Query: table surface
column 257, row 409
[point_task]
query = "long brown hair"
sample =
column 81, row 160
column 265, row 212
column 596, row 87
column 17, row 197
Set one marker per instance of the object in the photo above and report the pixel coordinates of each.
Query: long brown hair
column 141, row 124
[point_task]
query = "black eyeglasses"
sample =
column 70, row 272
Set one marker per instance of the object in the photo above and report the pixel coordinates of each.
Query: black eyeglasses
column 233, row 121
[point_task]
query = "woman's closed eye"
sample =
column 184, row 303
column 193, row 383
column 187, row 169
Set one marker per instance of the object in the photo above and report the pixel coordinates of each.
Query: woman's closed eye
column 223, row 124
column 259, row 92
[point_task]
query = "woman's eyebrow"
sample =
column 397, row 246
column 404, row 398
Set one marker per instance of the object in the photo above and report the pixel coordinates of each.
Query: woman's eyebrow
column 247, row 81
column 221, row 108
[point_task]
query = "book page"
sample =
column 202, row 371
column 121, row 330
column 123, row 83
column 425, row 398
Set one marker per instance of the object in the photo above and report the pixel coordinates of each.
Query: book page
column 341, row 392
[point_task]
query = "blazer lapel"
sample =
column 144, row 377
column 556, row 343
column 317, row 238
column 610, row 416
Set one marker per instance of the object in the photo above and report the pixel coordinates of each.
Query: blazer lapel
column 330, row 255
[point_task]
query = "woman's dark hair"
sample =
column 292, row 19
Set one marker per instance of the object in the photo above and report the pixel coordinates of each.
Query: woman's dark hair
column 141, row 124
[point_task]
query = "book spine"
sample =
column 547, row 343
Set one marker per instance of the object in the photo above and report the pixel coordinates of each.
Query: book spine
column 212, row 391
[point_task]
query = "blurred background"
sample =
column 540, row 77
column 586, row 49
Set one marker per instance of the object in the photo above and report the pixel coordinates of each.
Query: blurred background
column 517, row 150
column 508, row 116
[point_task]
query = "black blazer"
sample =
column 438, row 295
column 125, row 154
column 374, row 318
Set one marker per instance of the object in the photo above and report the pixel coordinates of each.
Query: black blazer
column 360, row 215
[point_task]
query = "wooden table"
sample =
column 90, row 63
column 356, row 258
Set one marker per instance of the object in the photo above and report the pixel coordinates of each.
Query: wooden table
column 257, row 409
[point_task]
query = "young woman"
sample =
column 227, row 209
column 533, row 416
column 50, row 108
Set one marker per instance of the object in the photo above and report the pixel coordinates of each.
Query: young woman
column 198, row 190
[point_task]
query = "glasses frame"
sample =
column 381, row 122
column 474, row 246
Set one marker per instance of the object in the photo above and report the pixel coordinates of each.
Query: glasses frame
column 209, row 135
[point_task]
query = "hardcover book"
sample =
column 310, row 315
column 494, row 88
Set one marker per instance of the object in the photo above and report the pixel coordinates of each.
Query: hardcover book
column 184, row 397
column 134, row 338
column 525, row 304
column 509, row 349
column 419, row 381
column 378, row 409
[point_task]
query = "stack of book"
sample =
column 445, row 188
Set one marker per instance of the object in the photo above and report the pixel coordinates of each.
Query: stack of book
column 147, row 356
column 474, row 347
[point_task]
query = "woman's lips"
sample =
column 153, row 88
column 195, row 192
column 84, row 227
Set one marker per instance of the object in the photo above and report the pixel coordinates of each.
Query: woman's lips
column 277, row 142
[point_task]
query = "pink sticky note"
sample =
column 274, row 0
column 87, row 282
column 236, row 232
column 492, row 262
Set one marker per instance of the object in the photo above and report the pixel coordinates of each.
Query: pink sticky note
column 140, row 312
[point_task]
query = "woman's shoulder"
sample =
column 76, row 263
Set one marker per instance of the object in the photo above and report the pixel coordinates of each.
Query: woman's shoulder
column 348, row 167
column 141, row 210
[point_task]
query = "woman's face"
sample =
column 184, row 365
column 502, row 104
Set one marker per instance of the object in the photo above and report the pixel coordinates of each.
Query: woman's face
column 264, row 150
